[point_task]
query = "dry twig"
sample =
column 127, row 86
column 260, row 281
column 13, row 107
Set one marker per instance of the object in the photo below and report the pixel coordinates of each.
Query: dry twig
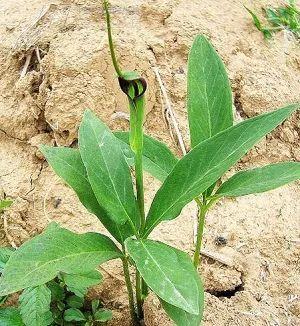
column 112, row 275
column 225, row 260
column 169, row 114
column 26, row 65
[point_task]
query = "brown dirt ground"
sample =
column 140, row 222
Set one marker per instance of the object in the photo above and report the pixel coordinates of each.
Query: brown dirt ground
column 263, row 236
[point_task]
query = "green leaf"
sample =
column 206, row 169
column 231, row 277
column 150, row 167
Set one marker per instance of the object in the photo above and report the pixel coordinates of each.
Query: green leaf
column 181, row 317
column 3, row 299
column 61, row 306
column 103, row 315
column 40, row 259
column 10, row 317
column 272, row 17
column 5, row 203
column 67, row 163
column 169, row 272
column 267, row 32
column 95, row 304
column 255, row 18
column 80, row 283
column 73, row 314
column 158, row 160
column 107, row 170
column 57, row 291
column 207, row 162
column 75, row 302
column 5, row 253
column 260, row 179
column 209, row 98
column 35, row 306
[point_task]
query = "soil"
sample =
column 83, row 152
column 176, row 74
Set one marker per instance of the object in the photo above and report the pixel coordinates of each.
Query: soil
column 259, row 234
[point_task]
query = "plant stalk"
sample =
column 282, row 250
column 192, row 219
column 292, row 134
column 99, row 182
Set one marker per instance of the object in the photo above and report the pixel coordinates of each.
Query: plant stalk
column 141, row 204
column 136, row 105
column 139, row 175
column 201, row 220
column 129, row 290
column 110, row 40
column 139, row 295
column 136, row 142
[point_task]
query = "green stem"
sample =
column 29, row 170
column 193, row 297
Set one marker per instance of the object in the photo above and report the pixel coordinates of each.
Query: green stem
column 129, row 290
column 201, row 219
column 140, row 181
column 203, row 207
column 139, row 294
column 137, row 108
column 110, row 40
column 136, row 142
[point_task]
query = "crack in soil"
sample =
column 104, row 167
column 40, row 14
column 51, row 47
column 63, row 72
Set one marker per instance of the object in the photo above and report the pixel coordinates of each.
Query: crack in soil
column 12, row 137
column 227, row 293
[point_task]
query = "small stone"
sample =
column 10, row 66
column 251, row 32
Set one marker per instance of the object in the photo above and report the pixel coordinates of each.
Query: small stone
column 220, row 241
column 295, row 309
column 287, row 135
column 296, row 152
column 41, row 139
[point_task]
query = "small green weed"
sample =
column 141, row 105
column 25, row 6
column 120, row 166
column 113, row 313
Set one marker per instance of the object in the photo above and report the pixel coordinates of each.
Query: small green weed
column 68, row 308
column 59, row 302
column 5, row 203
column 285, row 17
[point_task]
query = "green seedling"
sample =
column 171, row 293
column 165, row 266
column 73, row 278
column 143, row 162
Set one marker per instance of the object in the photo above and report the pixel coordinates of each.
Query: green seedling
column 100, row 174
column 96, row 316
column 68, row 306
column 286, row 17
column 5, row 203
column 58, row 302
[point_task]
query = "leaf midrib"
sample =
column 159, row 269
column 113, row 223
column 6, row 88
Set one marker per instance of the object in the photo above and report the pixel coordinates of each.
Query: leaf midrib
column 109, row 175
column 67, row 257
column 168, row 280
column 181, row 196
column 84, row 176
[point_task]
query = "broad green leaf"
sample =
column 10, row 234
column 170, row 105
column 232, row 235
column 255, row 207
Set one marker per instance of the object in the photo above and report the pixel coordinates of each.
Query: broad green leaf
column 75, row 302
column 107, row 170
column 169, row 272
column 103, row 315
column 158, row 160
column 80, row 283
column 260, row 179
column 183, row 318
column 73, row 314
column 209, row 98
column 40, row 259
column 5, row 253
column 67, row 163
column 5, row 203
column 207, row 162
column 35, row 306
column 10, row 317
